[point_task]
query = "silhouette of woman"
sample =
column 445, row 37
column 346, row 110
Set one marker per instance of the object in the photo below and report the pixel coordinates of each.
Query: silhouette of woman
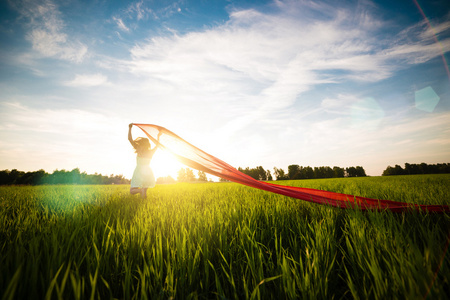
column 143, row 177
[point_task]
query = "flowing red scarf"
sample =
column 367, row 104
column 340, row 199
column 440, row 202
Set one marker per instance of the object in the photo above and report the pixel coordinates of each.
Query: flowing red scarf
column 196, row 158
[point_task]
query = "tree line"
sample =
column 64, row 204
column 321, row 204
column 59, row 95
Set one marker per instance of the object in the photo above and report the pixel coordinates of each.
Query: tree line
column 41, row 177
column 295, row 172
column 414, row 169
column 187, row 175
column 257, row 173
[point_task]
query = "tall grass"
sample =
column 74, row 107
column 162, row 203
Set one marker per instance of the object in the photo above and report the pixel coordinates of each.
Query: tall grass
column 224, row 241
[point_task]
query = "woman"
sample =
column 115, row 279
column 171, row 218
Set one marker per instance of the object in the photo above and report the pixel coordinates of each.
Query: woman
column 143, row 177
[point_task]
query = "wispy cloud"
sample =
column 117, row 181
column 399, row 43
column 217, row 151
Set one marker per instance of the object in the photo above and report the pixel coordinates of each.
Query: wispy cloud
column 46, row 31
column 340, row 105
column 140, row 10
column 257, row 67
column 245, row 90
column 260, row 64
column 20, row 117
column 120, row 24
column 63, row 138
column 88, row 80
column 396, row 140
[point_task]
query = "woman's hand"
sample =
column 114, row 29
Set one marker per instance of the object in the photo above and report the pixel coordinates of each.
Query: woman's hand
column 130, row 138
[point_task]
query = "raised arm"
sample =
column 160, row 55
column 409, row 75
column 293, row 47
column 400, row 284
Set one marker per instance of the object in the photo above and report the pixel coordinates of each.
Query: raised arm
column 130, row 138
column 156, row 145
column 159, row 135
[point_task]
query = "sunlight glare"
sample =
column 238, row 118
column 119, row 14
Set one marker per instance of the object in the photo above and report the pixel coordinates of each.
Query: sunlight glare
column 164, row 164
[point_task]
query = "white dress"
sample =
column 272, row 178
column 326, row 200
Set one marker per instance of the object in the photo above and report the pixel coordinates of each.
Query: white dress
column 143, row 175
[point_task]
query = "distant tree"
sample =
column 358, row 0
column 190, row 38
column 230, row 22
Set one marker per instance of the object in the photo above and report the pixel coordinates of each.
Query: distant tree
column 360, row 171
column 182, row 175
column 76, row 176
column 329, row 173
column 443, row 168
column 338, row 172
column 422, row 168
column 280, row 174
column 300, row 172
column 165, row 180
column 33, row 178
column 4, row 177
column 269, row 176
column 408, row 169
column 307, row 172
column 84, row 177
column 398, row 170
column 185, row 175
column 355, row 172
column 257, row 173
column 262, row 175
column 246, row 171
column 323, row 172
column 15, row 176
column 350, row 172
column 58, row 177
column 190, row 175
column 293, row 172
column 202, row 176
column 388, row 172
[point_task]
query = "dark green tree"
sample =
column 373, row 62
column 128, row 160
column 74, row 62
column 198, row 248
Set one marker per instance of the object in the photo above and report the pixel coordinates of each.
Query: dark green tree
column 338, row 172
column 360, row 172
column 294, row 172
column 280, row 174
column 350, row 172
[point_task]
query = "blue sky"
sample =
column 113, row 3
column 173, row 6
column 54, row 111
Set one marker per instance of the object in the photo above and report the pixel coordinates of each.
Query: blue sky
column 271, row 83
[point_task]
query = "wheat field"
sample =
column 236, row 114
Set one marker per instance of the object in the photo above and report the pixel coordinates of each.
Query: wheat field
column 223, row 241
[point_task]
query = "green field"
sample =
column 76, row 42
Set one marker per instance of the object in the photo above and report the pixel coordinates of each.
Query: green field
column 224, row 241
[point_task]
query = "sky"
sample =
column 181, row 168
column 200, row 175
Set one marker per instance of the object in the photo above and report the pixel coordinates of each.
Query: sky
column 254, row 83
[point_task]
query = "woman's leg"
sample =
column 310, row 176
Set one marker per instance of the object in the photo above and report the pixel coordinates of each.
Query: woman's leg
column 135, row 190
column 144, row 193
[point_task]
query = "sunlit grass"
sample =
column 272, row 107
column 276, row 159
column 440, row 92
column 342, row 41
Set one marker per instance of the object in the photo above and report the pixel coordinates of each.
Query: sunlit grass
column 222, row 240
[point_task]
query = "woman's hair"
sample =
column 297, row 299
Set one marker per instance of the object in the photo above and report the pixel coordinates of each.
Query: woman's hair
column 142, row 145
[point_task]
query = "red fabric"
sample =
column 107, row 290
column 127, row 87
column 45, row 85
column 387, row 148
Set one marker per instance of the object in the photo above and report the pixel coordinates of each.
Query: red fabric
column 196, row 158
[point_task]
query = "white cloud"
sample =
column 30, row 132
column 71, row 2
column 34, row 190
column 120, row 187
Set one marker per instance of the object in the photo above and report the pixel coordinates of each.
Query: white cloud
column 340, row 104
column 88, row 80
column 54, row 44
column 259, row 64
column 170, row 9
column 418, row 43
column 120, row 24
column 139, row 9
column 46, row 31
column 433, row 31
column 242, row 84
column 413, row 139
column 17, row 116
column 63, row 138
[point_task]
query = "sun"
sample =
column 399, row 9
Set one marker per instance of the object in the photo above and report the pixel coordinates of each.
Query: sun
column 164, row 164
